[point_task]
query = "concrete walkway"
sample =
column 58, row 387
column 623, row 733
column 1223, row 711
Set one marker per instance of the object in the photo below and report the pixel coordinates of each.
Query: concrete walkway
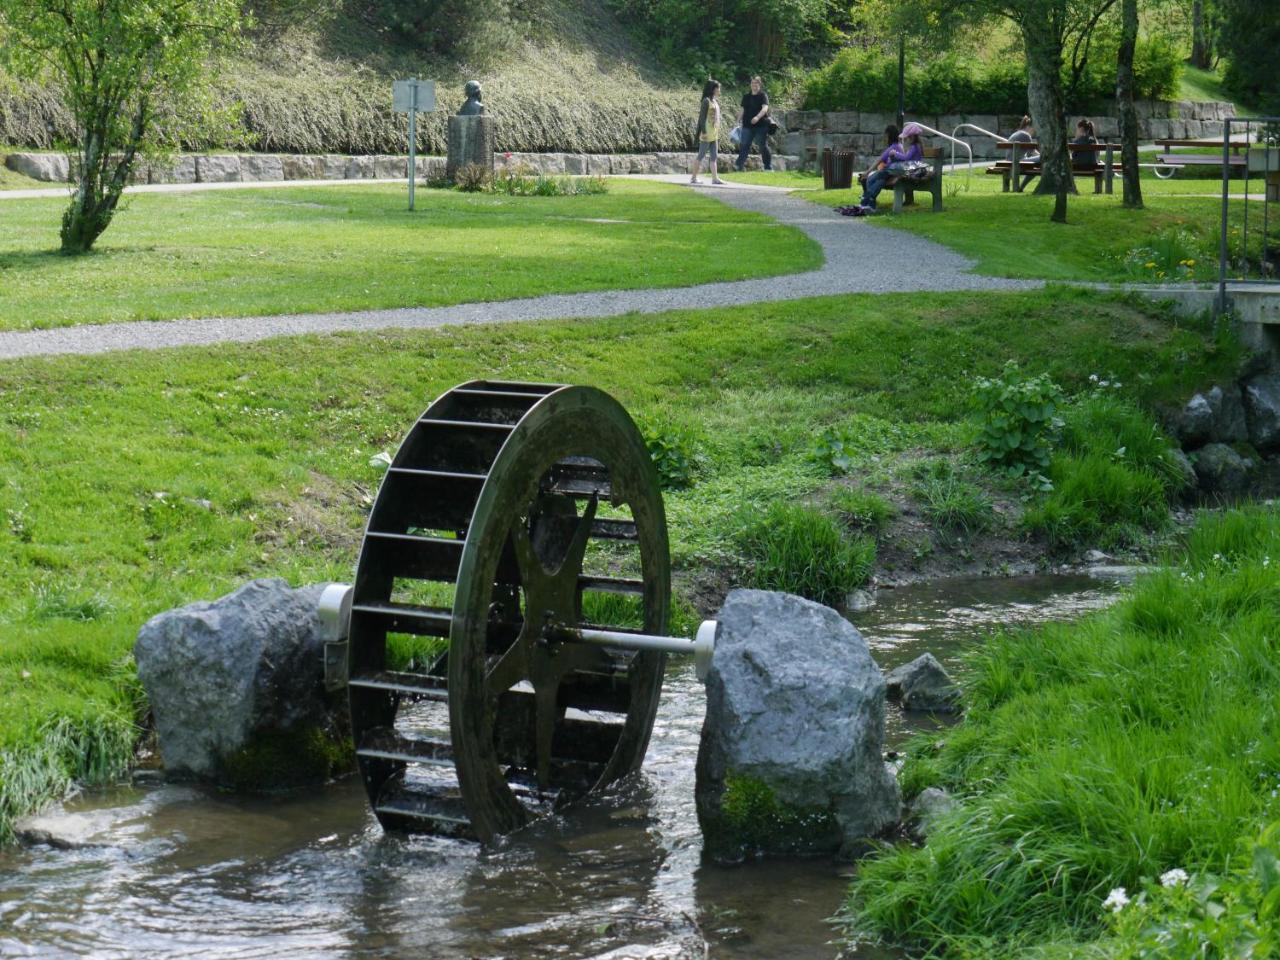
column 860, row 258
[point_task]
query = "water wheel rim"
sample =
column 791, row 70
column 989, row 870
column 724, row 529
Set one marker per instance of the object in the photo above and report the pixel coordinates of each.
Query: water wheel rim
column 578, row 422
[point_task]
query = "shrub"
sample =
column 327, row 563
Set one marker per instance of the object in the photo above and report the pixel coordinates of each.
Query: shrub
column 867, row 79
column 801, row 550
column 1019, row 420
column 473, row 178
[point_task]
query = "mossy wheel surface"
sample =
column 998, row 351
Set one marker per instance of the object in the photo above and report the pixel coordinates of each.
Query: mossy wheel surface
column 508, row 508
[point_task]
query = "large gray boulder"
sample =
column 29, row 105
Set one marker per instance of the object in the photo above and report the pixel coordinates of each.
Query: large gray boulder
column 1229, row 424
column 1194, row 424
column 1221, row 470
column 233, row 680
column 923, row 684
column 1262, row 410
column 791, row 758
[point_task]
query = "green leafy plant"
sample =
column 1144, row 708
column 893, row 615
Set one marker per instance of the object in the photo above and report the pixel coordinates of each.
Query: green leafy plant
column 832, row 450
column 1019, row 421
column 673, row 456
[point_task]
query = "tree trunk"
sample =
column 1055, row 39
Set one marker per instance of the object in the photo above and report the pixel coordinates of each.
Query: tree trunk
column 1201, row 48
column 1044, row 98
column 1124, row 101
column 101, row 181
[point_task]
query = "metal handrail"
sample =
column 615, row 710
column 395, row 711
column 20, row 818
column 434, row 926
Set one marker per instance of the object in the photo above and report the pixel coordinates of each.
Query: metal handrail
column 971, row 126
column 954, row 141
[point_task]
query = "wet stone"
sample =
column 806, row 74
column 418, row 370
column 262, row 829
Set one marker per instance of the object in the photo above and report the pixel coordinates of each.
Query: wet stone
column 923, row 684
column 790, row 760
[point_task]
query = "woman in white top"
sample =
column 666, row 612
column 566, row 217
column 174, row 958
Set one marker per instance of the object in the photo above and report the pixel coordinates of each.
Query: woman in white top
column 708, row 132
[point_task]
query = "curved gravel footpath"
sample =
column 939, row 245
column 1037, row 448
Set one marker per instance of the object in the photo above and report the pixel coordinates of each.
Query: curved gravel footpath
column 860, row 258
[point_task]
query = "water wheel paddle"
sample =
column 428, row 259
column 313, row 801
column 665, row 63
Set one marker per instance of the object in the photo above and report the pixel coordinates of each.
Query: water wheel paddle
column 496, row 496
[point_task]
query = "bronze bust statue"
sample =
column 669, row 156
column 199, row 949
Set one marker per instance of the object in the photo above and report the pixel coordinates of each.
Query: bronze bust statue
column 473, row 107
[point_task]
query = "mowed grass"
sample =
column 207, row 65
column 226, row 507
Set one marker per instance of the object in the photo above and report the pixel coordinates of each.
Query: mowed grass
column 1010, row 235
column 1098, row 755
column 303, row 250
column 132, row 483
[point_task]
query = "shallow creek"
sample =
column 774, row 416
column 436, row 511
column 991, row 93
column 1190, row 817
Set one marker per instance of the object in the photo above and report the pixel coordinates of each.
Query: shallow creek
column 172, row 870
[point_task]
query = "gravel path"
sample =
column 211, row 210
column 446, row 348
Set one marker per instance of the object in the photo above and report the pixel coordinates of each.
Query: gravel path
column 860, row 258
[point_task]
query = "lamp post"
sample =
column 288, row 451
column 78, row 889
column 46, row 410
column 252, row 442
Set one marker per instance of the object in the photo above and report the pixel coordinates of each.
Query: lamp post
column 902, row 80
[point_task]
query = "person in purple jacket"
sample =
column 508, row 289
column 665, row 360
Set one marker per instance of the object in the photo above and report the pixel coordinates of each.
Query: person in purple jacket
column 907, row 148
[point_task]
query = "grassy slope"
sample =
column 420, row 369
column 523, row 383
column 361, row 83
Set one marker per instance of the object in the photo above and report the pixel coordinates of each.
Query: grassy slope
column 565, row 77
column 1009, row 235
column 136, row 482
column 249, row 253
column 1096, row 756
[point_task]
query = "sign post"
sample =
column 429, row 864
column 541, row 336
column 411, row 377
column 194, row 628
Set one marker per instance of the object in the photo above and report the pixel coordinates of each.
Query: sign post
column 411, row 96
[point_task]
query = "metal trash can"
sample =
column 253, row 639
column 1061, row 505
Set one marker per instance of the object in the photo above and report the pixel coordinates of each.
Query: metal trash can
column 837, row 169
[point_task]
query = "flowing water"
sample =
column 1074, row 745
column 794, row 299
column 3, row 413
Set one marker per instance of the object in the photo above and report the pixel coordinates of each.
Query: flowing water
column 173, row 870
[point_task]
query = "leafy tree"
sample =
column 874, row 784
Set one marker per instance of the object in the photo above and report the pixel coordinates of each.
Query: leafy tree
column 136, row 75
column 1057, row 36
column 1250, row 39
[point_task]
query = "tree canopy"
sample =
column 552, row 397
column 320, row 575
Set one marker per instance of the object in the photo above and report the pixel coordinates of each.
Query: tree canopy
column 136, row 78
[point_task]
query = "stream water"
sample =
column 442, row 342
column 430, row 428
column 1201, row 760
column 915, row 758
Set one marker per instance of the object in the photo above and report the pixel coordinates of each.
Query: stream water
column 173, row 870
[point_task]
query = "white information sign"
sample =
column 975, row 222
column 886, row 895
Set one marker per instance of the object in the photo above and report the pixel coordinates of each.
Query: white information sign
column 403, row 92
column 413, row 97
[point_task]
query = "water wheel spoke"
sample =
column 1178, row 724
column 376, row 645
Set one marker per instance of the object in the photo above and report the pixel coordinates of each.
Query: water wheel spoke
column 545, row 715
column 511, row 667
column 577, row 549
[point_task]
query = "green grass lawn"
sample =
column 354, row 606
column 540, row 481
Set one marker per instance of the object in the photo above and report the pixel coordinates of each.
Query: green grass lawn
column 795, row 179
column 255, row 252
column 1010, row 235
column 1102, row 755
column 132, row 483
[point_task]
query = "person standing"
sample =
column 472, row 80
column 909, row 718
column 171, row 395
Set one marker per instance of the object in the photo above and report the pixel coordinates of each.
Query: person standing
column 708, row 132
column 755, row 125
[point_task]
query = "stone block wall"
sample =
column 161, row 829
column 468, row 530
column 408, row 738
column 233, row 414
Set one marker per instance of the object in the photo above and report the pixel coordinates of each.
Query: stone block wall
column 255, row 167
column 806, row 133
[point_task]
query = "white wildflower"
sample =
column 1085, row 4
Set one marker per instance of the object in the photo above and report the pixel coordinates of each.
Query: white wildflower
column 1116, row 900
column 1176, row 877
column 1093, row 378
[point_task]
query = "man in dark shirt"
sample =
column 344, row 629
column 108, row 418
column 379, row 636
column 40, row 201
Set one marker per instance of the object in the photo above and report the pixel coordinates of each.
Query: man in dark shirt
column 755, row 125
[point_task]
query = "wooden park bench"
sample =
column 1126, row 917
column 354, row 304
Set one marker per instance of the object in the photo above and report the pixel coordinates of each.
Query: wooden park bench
column 1213, row 156
column 1103, row 171
column 904, row 188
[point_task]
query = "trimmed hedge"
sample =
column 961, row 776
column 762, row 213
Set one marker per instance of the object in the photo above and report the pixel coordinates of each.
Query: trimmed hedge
column 867, row 79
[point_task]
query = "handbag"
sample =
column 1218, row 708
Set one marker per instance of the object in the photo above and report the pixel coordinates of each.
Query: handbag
column 735, row 136
column 773, row 126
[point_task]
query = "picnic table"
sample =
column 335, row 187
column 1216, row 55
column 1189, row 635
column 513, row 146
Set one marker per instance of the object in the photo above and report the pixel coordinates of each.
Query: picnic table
column 1176, row 161
column 1103, row 173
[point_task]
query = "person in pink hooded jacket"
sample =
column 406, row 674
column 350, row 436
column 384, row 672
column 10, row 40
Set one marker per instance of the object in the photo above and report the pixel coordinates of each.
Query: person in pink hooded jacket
column 907, row 148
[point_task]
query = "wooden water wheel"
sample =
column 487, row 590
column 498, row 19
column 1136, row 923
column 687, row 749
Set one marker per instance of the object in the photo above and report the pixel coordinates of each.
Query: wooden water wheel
column 479, row 533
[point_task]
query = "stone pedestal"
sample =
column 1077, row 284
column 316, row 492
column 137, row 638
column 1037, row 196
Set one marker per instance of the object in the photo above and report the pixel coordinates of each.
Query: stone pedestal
column 471, row 140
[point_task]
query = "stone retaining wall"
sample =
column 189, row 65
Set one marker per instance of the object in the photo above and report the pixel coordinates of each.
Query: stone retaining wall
column 806, row 133
column 243, row 167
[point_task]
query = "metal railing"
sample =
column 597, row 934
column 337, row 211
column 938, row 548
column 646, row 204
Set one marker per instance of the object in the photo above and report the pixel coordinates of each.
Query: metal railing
column 1262, row 155
column 971, row 126
column 954, row 141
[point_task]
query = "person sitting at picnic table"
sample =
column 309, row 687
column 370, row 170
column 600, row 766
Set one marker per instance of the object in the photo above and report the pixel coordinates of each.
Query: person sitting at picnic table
column 891, row 162
column 1084, row 135
column 1026, row 133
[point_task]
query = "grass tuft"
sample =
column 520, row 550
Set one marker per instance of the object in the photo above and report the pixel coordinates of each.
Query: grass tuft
column 1094, row 755
column 802, row 550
